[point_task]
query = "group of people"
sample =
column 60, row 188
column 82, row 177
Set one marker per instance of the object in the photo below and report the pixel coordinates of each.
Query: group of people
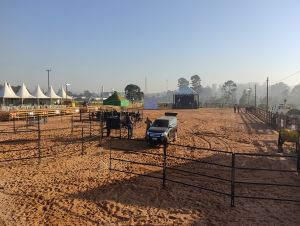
column 236, row 108
column 130, row 122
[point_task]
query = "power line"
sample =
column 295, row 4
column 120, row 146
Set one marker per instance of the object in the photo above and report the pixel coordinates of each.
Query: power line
column 287, row 77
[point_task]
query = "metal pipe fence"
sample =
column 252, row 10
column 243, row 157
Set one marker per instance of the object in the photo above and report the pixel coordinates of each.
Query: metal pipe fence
column 229, row 177
column 41, row 142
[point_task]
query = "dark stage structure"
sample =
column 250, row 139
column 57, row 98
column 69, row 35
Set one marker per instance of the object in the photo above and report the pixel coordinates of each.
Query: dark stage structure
column 186, row 98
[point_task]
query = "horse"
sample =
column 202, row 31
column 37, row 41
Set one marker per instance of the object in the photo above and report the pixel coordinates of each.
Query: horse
column 288, row 135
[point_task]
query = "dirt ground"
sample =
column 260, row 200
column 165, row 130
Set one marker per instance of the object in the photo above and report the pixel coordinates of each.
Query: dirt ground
column 68, row 187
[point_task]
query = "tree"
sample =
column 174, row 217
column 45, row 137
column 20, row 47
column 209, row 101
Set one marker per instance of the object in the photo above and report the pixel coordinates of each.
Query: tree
column 296, row 91
column 182, row 82
column 206, row 93
column 196, row 83
column 86, row 93
column 15, row 88
column 243, row 99
column 133, row 93
column 229, row 89
column 279, row 90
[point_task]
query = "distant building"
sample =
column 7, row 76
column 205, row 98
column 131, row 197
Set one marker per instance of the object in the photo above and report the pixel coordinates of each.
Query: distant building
column 185, row 97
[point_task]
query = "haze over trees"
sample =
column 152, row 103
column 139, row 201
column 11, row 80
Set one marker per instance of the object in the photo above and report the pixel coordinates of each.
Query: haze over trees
column 238, row 93
column 229, row 88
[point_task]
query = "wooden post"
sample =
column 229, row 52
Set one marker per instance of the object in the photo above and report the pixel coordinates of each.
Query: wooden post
column 164, row 164
column 72, row 124
column 100, row 131
column 39, row 140
column 232, row 179
column 298, row 160
column 298, row 154
column 14, row 123
column 82, row 138
column 26, row 116
column 110, row 157
column 90, row 124
column 121, row 126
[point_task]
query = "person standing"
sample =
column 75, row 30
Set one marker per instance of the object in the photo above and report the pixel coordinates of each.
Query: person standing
column 148, row 125
column 234, row 108
column 129, row 122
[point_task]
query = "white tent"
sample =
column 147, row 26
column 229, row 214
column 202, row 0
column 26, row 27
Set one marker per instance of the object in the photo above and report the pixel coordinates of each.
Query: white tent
column 39, row 94
column 52, row 94
column 63, row 94
column 7, row 92
column 24, row 94
column 9, row 86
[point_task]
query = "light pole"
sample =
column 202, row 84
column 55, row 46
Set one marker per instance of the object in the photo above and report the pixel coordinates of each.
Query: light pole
column 67, row 84
column 249, row 90
column 255, row 96
column 267, row 94
column 48, row 70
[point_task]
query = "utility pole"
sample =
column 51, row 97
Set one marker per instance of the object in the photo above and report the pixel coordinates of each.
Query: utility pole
column 255, row 95
column 48, row 70
column 267, row 94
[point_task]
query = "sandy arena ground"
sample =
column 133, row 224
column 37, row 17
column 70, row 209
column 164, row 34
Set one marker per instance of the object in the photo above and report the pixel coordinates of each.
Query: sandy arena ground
column 67, row 188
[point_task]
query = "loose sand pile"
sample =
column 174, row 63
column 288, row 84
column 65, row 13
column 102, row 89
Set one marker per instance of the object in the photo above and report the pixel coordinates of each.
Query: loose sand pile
column 68, row 188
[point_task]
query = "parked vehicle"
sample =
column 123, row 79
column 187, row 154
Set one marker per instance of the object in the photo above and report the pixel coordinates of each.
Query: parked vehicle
column 163, row 129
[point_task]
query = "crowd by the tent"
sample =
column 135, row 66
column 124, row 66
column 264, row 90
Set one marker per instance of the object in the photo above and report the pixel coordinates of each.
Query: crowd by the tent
column 35, row 98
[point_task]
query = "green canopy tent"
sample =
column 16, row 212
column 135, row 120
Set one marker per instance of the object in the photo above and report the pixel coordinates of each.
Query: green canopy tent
column 116, row 100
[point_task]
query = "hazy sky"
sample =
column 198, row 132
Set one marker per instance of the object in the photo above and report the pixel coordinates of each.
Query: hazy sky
column 112, row 43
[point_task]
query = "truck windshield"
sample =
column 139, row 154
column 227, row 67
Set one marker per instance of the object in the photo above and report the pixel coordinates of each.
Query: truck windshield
column 160, row 123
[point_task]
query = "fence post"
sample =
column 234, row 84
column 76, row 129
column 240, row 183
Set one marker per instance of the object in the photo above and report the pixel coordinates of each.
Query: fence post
column 72, row 124
column 164, row 164
column 39, row 140
column 81, row 138
column 90, row 124
column 110, row 157
column 14, row 123
column 100, row 131
column 298, row 159
column 232, row 179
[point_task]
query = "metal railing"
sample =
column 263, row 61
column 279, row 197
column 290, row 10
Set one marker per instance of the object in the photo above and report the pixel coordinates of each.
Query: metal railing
column 231, row 176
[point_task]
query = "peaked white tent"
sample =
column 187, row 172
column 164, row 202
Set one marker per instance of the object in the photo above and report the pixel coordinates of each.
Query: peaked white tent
column 9, row 86
column 52, row 95
column 39, row 94
column 6, row 92
column 24, row 94
column 63, row 94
